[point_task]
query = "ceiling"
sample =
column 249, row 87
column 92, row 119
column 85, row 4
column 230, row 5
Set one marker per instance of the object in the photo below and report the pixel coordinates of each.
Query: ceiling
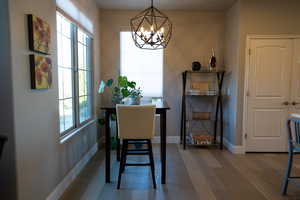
column 206, row 5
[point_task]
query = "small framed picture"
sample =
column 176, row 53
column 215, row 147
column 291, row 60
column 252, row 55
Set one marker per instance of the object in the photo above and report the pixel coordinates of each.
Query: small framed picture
column 41, row 72
column 39, row 35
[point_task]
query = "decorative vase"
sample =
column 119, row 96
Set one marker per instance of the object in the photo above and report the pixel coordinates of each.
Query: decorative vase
column 196, row 66
column 213, row 60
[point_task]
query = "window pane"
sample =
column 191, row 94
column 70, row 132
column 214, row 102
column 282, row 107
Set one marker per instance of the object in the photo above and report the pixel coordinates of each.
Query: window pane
column 84, row 76
column 59, row 50
column 66, row 52
column 82, row 50
column 68, row 113
column 67, row 79
column 82, row 82
column 61, row 116
column 83, row 107
column 67, row 83
column 145, row 67
column 80, row 56
column 89, row 108
column 60, row 83
column 65, row 73
column 59, row 23
column 82, row 37
column 66, row 27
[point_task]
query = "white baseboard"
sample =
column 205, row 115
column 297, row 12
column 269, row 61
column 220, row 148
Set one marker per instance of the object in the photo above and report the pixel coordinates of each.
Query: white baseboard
column 236, row 149
column 170, row 139
column 64, row 184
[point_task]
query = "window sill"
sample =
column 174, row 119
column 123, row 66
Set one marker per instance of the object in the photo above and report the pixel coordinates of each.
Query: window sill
column 69, row 135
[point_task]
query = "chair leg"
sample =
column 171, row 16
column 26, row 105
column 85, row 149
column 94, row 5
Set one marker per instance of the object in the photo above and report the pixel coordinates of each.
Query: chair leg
column 122, row 163
column 152, row 163
column 118, row 149
column 118, row 141
column 288, row 172
column 125, row 144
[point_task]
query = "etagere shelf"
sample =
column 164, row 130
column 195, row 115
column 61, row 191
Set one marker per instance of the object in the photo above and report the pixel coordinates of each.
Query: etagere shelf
column 215, row 93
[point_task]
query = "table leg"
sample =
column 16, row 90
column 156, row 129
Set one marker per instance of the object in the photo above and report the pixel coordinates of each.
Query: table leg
column 107, row 147
column 163, row 147
column 118, row 141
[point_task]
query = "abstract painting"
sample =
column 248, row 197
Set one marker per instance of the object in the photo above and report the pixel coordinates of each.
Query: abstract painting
column 41, row 72
column 39, row 35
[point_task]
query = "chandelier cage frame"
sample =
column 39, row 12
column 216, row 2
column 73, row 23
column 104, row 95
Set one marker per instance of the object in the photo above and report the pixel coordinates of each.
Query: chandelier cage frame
column 155, row 19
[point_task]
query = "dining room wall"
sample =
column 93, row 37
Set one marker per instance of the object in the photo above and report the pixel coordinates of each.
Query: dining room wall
column 256, row 17
column 195, row 33
column 42, row 160
column 8, row 179
column 231, row 60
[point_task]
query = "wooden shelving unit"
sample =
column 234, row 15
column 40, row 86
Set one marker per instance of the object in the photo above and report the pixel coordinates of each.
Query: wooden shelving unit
column 203, row 89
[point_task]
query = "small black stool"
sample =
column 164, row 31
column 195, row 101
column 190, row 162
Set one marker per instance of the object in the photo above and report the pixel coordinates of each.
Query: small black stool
column 136, row 125
column 127, row 151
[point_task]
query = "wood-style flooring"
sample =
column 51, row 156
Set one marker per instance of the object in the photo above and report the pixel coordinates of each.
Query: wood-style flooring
column 193, row 174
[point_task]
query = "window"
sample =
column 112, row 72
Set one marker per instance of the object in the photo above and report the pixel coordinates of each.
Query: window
column 74, row 75
column 145, row 67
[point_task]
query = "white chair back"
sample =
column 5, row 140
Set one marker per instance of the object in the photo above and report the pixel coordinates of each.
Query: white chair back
column 136, row 121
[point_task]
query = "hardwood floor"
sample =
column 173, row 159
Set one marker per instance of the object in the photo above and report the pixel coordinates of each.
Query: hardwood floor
column 194, row 174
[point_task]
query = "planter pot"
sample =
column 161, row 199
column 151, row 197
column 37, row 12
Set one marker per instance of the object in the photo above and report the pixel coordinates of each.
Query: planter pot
column 132, row 100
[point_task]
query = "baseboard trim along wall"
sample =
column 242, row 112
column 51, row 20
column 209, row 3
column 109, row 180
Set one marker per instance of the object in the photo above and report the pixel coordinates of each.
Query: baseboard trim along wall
column 64, row 184
column 236, row 149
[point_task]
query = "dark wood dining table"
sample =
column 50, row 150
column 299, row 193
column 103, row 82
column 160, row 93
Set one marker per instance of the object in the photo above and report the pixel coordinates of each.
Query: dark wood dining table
column 161, row 110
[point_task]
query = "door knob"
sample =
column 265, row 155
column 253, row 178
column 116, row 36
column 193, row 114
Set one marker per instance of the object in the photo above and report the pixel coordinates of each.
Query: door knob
column 295, row 103
column 286, row 103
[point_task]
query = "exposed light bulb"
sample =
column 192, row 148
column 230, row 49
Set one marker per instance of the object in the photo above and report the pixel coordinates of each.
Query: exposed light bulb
column 142, row 29
column 162, row 30
column 152, row 28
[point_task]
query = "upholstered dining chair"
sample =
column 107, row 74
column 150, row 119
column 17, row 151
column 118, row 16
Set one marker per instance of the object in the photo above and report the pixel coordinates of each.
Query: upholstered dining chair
column 136, row 125
column 293, row 124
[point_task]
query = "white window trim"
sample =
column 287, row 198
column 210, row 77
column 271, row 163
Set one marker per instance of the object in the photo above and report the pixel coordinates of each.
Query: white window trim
column 78, row 127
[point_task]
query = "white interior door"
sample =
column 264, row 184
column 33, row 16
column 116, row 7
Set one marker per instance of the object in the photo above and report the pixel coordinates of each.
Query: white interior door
column 269, row 81
column 295, row 88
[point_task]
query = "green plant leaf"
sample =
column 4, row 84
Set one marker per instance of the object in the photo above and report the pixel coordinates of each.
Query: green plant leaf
column 125, row 92
column 132, row 84
column 123, row 81
column 109, row 82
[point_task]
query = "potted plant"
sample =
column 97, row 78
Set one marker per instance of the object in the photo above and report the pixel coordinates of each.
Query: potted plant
column 124, row 91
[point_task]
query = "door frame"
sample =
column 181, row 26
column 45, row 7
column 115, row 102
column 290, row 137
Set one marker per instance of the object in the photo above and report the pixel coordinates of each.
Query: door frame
column 250, row 37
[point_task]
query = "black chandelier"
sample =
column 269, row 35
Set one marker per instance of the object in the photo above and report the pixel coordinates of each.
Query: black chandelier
column 151, row 29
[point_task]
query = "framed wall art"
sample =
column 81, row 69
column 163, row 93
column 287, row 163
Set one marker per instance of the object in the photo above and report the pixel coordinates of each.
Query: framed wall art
column 41, row 72
column 39, row 35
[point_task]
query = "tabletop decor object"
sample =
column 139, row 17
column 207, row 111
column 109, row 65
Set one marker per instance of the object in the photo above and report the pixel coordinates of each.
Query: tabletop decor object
column 39, row 35
column 196, row 66
column 213, row 61
column 123, row 92
column 151, row 29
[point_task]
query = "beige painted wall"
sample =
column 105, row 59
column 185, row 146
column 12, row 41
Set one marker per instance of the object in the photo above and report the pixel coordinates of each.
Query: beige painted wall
column 231, row 59
column 42, row 162
column 194, row 34
column 260, row 17
column 7, row 161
